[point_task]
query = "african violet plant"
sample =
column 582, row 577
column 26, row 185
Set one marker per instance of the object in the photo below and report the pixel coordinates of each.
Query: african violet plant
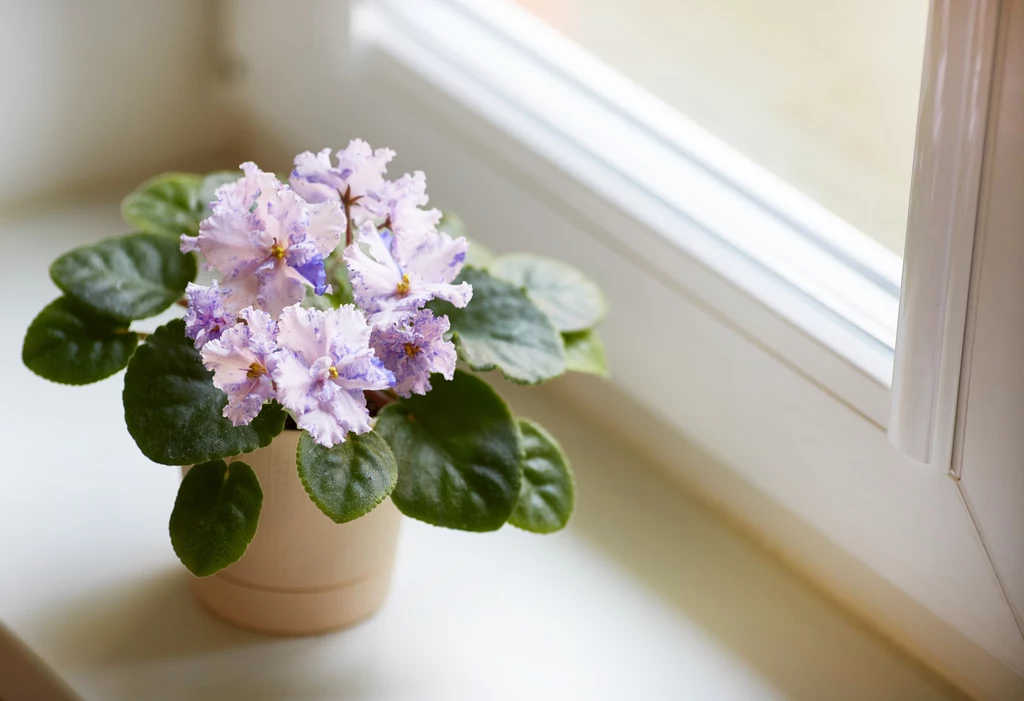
column 341, row 309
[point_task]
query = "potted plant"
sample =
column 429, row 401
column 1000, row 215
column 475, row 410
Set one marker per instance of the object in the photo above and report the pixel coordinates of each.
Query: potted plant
column 311, row 390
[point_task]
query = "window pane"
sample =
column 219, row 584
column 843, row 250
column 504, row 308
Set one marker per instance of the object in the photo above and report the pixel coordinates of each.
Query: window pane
column 823, row 93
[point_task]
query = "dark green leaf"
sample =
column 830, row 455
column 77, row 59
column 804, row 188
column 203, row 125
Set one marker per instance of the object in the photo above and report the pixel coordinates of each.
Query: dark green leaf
column 350, row 479
column 584, row 352
column 168, row 204
column 208, row 188
column 458, row 452
column 571, row 300
column 174, row 412
column 547, row 493
column 129, row 277
column 67, row 343
column 501, row 328
column 215, row 515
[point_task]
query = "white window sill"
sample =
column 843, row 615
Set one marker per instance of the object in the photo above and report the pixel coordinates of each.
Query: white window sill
column 647, row 595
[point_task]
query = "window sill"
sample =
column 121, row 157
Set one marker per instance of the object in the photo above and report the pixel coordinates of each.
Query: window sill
column 698, row 611
column 793, row 423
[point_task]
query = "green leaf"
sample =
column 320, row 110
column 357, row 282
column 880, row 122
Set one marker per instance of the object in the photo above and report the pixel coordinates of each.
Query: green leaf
column 547, row 493
column 168, row 204
column 126, row 278
column 215, row 515
column 208, row 188
column 584, row 352
column 337, row 276
column 322, row 302
column 174, row 412
column 350, row 479
column 571, row 300
column 458, row 452
column 67, row 343
column 501, row 328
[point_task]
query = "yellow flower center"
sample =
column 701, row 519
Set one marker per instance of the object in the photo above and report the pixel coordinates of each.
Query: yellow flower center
column 333, row 372
column 256, row 369
column 403, row 287
column 277, row 251
column 411, row 349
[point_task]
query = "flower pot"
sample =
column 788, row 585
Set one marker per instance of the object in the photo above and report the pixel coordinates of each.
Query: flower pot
column 302, row 574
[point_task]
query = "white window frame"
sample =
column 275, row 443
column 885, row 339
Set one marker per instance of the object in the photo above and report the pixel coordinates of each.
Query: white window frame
column 722, row 375
column 815, row 271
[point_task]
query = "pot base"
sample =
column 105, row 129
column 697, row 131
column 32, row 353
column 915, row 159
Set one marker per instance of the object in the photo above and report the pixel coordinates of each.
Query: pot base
column 292, row 613
column 302, row 574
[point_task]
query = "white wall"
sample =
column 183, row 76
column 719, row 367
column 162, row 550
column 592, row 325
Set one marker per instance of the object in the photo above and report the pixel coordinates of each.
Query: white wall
column 97, row 90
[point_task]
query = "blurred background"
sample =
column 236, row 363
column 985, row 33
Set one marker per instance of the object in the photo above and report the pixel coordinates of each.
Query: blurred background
column 822, row 94
column 809, row 101
column 106, row 92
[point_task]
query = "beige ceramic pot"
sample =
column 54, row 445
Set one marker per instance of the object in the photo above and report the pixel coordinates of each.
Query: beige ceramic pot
column 302, row 574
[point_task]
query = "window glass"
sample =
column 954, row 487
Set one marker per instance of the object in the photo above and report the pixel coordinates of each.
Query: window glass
column 823, row 93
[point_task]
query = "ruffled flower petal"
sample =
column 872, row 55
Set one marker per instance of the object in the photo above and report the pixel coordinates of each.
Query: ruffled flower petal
column 258, row 228
column 229, row 241
column 302, row 332
column 415, row 349
column 250, row 193
column 394, row 276
column 242, row 361
column 207, row 317
column 359, row 170
column 326, row 226
column 322, row 366
column 312, row 177
column 399, row 203
column 375, row 275
column 438, row 257
column 240, row 292
column 279, row 286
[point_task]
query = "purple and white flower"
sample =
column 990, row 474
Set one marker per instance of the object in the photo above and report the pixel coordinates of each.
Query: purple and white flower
column 242, row 361
column 395, row 276
column 267, row 242
column 413, row 349
column 359, row 170
column 206, row 317
column 398, row 203
column 323, row 364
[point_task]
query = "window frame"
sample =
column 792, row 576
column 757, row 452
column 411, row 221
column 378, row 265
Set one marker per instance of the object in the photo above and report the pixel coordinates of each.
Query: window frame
column 750, row 410
column 836, row 285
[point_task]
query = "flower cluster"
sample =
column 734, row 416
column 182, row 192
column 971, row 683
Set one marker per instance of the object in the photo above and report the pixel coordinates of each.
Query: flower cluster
column 269, row 242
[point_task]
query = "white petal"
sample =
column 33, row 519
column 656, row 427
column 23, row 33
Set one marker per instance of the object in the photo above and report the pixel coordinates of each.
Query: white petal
column 372, row 279
column 435, row 256
column 240, row 292
column 361, row 370
column 326, row 226
column 280, row 286
column 229, row 241
column 299, row 330
column 459, row 295
column 228, row 359
column 294, row 382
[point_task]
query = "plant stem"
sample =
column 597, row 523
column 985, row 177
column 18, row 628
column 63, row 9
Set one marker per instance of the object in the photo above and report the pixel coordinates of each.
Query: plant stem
column 346, row 204
column 378, row 399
